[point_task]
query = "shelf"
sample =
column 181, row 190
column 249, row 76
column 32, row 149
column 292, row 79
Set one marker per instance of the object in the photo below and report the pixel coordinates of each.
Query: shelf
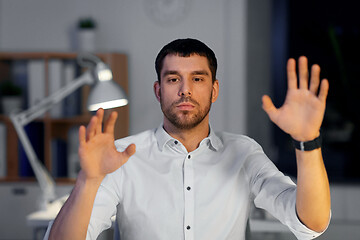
column 57, row 128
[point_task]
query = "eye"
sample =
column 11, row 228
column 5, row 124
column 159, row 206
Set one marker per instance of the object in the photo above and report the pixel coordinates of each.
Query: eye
column 198, row 79
column 172, row 79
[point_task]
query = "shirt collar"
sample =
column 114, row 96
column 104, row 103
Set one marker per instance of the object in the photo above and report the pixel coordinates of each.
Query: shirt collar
column 163, row 138
column 215, row 141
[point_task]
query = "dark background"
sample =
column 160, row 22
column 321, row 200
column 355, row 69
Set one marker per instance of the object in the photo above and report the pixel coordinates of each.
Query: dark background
column 328, row 33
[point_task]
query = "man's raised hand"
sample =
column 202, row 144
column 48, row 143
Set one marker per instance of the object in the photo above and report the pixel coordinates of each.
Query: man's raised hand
column 97, row 152
column 302, row 113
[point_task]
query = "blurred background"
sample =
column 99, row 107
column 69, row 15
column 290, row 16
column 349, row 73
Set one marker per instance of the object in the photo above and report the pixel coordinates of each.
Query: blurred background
column 252, row 40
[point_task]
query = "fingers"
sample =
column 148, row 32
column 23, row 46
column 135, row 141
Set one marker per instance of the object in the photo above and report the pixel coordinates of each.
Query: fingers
column 315, row 79
column 303, row 73
column 291, row 74
column 304, row 77
column 324, row 89
column 100, row 116
column 82, row 138
column 128, row 152
column 269, row 107
column 315, row 82
column 91, row 128
column 95, row 125
column 110, row 123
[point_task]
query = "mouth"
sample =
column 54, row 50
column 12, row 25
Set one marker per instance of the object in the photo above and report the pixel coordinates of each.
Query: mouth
column 185, row 106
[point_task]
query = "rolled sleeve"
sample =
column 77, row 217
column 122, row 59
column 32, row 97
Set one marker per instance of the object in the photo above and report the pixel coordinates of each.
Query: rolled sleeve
column 103, row 210
column 301, row 231
column 276, row 193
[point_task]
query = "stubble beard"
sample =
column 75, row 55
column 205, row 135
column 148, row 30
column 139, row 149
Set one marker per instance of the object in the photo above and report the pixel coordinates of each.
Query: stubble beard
column 185, row 120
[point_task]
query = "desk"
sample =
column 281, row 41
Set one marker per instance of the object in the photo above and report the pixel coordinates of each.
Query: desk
column 39, row 220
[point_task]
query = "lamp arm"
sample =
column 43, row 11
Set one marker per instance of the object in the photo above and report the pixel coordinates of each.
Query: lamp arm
column 45, row 104
column 19, row 120
column 46, row 182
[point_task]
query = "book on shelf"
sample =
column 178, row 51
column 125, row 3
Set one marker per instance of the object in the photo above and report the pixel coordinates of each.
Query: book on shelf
column 73, row 165
column 20, row 78
column 60, row 73
column 36, row 81
column 56, row 82
column 59, row 158
column 35, row 133
column 64, row 155
column 72, row 103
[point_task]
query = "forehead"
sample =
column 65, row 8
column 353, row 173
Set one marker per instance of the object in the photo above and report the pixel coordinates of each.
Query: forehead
column 185, row 64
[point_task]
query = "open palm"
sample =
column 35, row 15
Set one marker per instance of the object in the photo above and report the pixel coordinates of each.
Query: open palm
column 302, row 113
column 98, row 155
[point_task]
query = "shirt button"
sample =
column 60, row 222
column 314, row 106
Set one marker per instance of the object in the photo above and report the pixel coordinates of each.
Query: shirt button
column 188, row 227
column 176, row 142
column 188, row 188
column 189, row 156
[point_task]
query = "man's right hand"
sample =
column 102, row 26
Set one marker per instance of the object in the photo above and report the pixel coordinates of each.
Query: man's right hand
column 98, row 157
column 97, row 152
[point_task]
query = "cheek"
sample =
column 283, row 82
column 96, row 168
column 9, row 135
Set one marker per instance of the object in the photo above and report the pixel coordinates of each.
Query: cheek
column 207, row 96
column 164, row 98
column 168, row 93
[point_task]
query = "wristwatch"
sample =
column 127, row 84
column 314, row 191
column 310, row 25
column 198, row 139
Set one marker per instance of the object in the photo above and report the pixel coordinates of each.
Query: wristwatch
column 309, row 145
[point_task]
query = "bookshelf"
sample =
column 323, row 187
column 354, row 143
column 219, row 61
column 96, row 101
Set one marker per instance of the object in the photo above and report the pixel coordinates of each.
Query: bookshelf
column 56, row 127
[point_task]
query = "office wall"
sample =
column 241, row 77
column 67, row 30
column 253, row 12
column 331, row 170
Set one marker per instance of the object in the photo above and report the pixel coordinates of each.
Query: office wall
column 258, row 70
column 133, row 27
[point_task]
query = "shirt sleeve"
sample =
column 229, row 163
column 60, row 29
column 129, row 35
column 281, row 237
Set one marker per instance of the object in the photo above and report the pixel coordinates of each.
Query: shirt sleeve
column 276, row 193
column 104, row 208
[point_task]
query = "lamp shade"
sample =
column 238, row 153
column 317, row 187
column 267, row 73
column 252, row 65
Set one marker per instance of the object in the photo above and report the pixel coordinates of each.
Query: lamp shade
column 106, row 94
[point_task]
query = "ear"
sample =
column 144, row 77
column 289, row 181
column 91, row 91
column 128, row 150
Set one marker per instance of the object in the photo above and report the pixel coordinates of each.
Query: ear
column 157, row 90
column 215, row 91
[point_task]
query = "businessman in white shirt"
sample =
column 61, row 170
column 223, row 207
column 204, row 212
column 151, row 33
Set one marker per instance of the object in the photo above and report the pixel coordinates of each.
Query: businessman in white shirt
column 183, row 180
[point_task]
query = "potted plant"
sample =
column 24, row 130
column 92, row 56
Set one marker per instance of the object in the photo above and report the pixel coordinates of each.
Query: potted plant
column 11, row 97
column 86, row 34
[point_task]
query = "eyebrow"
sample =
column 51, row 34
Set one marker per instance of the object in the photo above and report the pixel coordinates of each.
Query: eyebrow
column 170, row 72
column 201, row 72
column 174, row 72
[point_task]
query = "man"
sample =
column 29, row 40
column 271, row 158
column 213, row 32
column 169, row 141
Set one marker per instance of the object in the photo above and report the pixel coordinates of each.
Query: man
column 185, row 181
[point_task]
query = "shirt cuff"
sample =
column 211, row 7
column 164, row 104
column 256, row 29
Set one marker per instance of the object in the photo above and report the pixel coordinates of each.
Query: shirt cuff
column 301, row 231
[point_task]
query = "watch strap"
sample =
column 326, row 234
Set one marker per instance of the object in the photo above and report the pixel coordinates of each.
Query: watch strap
column 308, row 145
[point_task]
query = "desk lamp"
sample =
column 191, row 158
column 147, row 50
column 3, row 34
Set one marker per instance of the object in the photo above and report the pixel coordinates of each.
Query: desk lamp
column 105, row 93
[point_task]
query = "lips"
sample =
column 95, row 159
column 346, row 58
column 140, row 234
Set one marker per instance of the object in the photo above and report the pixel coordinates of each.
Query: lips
column 185, row 106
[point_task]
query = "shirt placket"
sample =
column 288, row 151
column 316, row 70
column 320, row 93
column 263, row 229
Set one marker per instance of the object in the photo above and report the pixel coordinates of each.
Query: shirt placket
column 189, row 198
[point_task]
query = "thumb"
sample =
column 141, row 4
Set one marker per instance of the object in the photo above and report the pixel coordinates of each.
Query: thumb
column 269, row 107
column 130, row 150
column 126, row 154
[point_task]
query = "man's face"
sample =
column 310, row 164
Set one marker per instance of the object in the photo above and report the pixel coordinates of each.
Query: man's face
column 186, row 91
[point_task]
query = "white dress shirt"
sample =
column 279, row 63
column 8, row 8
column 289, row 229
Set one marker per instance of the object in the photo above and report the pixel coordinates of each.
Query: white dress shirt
column 164, row 192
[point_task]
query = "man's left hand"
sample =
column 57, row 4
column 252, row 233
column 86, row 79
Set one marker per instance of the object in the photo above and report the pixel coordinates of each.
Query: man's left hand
column 302, row 113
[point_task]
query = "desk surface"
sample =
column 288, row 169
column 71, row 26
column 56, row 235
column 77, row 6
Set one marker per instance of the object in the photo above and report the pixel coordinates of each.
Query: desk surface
column 42, row 218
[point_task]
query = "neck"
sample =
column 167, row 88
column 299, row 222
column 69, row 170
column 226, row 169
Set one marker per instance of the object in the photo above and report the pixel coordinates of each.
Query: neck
column 190, row 138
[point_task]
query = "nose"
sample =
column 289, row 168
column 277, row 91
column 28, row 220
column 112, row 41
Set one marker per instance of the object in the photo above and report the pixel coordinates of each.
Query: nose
column 185, row 94
column 185, row 89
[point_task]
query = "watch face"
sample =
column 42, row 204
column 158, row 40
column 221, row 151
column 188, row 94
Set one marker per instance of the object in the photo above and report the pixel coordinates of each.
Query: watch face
column 167, row 12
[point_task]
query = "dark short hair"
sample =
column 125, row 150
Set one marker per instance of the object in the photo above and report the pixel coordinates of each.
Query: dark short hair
column 186, row 48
